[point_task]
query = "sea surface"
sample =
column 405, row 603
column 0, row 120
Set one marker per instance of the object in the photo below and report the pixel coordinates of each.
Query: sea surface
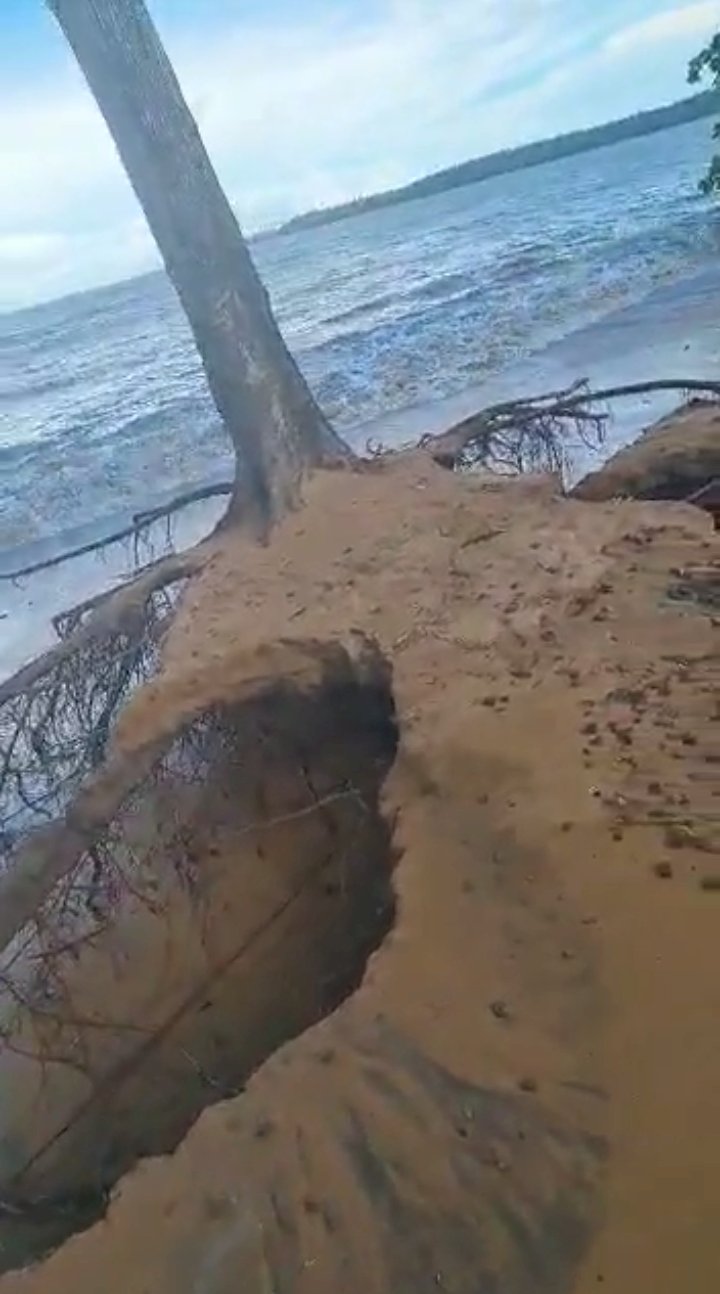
column 603, row 264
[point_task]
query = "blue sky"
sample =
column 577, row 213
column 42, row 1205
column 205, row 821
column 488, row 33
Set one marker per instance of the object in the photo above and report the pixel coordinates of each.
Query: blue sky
column 308, row 102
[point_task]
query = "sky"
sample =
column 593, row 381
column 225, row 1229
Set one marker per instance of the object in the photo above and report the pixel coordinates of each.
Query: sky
column 303, row 103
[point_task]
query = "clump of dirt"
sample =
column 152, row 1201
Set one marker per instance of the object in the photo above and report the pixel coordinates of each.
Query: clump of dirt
column 551, row 711
column 677, row 457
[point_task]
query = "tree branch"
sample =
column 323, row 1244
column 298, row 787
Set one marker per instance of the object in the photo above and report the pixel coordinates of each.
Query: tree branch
column 109, row 614
column 532, row 433
column 140, row 522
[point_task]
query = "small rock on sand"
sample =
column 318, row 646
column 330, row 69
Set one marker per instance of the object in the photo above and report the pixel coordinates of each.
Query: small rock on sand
column 500, row 1009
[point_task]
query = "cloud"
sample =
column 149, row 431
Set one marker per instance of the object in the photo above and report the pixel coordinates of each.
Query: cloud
column 307, row 105
column 620, row 74
column 54, row 153
column 38, row 267
column 30, row 249
column 298, row 113
column 349, row 100
column 694, row 20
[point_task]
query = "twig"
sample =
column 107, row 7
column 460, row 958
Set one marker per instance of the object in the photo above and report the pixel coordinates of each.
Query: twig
column 140, row 522
column 112, row 612
column 265, row 825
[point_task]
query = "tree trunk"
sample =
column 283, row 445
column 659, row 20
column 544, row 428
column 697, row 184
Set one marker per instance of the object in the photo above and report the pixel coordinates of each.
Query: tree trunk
column 276, row 427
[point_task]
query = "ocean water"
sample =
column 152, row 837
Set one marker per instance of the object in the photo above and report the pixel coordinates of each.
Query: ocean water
column 603, row 265
column 102, row 395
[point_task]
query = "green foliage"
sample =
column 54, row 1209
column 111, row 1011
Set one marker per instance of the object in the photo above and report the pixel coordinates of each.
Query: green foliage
column 706, row 64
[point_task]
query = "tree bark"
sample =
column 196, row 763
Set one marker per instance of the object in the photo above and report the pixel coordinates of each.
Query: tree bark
column 276, row 427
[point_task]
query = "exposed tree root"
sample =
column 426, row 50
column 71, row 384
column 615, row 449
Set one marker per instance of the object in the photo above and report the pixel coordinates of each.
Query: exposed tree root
column 136, row 530
column 57, row 712
column 532, row 434
column 182, row 500
column 63, row 871
column 99, row 619
column 539, row 433
column 63, row 882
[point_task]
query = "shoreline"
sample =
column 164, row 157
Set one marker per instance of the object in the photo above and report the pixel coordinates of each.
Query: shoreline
column 673, row 331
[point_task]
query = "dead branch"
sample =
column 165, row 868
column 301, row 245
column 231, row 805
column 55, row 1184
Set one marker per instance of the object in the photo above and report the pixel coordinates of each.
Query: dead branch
column 56, row 716
column 135, row 530
column 63, row 887
column 181, row 501
column 82, row 801
column 538, row 433
column 102, row 617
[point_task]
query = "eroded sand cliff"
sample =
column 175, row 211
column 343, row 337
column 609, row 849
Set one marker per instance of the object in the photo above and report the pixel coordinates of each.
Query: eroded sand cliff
column 487, row 717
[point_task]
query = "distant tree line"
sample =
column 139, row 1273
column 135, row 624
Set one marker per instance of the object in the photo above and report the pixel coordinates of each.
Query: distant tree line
column 516, row 159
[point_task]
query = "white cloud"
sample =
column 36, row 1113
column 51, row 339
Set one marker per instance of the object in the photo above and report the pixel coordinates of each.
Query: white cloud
column 344, row 101
column 54, row 153
column 694, row 20
column 298, row 114
column 314, row 109
column 30, row 249
column 37, row 267
column 619, row 76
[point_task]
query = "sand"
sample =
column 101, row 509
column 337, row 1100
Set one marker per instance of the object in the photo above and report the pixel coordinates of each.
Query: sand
column 673, row 459
column 521, row 1095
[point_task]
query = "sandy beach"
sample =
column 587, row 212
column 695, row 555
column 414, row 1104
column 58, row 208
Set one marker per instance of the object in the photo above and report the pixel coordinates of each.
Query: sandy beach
column 522, row 1090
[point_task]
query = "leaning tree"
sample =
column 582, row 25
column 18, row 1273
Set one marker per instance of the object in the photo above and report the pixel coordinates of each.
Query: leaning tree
column 274, row 422
column 56, row 714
